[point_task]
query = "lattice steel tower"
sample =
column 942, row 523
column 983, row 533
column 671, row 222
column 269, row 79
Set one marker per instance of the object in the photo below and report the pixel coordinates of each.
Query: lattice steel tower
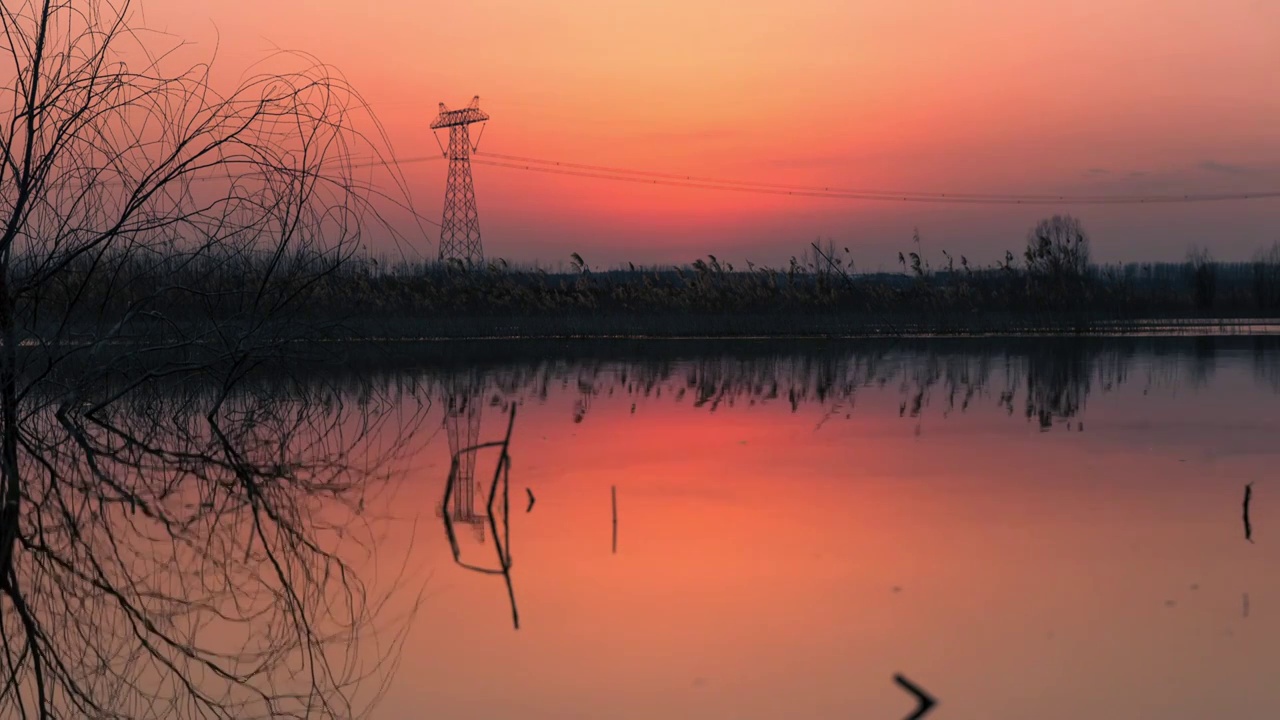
column 460, row 228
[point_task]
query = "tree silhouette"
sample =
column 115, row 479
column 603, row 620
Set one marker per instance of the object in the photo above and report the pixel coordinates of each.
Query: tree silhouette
column 175, row 532
column 1202, row 274
column 1057, row 257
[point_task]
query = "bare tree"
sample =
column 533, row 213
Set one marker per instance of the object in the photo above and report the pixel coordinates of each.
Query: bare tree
column 1202, row 274
column 174, row 533
column 1058, row 248
column 1266, row 278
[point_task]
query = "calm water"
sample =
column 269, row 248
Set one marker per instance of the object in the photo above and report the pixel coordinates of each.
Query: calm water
column 1040, row 530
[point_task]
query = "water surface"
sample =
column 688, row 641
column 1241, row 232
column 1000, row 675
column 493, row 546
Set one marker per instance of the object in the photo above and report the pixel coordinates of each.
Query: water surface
column 1046, row 529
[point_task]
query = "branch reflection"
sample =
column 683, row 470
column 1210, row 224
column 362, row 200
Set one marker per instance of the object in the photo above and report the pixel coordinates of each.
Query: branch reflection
column 460, row 494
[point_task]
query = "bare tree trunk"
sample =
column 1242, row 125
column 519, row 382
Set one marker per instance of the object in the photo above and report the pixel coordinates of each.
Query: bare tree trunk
column 10, row 510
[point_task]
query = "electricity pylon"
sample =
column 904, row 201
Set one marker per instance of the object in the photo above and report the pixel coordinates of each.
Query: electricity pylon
column 460, row 228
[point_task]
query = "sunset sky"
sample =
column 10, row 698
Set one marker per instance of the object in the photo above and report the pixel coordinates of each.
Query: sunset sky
column 1090, row 96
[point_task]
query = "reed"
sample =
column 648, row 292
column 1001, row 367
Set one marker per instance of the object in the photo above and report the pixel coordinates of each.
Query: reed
column 821, row 296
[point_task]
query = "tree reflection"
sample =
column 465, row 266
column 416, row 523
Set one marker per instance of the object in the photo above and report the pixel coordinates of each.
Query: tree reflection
column 1057, row 384
column 190, row 549
column 1266, row 361
column 1048, row 381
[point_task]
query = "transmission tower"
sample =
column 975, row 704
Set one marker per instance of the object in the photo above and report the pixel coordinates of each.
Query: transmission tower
column 460, row 228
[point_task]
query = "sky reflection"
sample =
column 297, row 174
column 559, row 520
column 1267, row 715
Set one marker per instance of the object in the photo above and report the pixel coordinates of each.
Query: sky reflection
column 772, row 564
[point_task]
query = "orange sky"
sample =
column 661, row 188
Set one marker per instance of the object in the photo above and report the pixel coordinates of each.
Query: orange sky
column 1007, row 96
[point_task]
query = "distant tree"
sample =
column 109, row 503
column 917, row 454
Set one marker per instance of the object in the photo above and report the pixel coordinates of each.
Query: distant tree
column 1057, row 257
column 1058, row 247
column 1202, row 273
column 1266, row 278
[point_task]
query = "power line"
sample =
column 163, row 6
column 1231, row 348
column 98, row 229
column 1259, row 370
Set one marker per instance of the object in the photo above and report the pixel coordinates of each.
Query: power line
column 668, row 179
column 397, row 161
column 744, row 183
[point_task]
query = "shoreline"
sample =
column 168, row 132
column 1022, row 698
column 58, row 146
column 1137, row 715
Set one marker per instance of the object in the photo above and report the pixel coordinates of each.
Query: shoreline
column 703, row 329
column 749, row 329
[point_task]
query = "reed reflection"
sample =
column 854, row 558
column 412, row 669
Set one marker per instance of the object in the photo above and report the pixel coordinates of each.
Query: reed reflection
column 1046, row 381
column 790, row 541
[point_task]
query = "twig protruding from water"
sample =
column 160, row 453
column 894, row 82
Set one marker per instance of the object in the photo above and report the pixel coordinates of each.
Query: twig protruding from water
column 1248, row 528
column 925, row 699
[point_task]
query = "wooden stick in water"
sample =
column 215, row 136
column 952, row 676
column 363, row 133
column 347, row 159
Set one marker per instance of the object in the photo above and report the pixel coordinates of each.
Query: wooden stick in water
column 1248, row 528
column 615, row 519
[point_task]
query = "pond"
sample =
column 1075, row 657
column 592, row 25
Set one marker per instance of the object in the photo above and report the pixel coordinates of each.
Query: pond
column 1034, row 528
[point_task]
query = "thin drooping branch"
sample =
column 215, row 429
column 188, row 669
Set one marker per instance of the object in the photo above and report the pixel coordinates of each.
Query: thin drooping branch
column 179, row 537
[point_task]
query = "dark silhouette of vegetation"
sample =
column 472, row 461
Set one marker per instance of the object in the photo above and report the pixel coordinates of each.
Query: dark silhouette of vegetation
column 175, row 541
column 1266, row 279
column 1051, row 292
column 1202, row 274
column 1045, row 380
column 1057, row 256
column 1057, row 265
column 1053, row 288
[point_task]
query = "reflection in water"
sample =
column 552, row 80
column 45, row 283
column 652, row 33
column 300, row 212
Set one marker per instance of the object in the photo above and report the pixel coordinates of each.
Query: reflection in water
column 1048, row 381
column 1057, row 385
column 792, row 542
column 794, row 537
column 1266, row 365
column 462, row 424
column 459, row 489
column 193, row 549
column 713, row 375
